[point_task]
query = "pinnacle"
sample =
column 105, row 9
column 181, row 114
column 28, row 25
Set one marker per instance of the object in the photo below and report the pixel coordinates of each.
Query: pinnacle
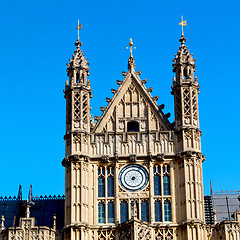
column 182, row 40
column 131, row 64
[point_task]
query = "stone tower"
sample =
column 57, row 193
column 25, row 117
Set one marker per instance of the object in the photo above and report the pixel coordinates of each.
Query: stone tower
column 188, row 166
column 131, row 174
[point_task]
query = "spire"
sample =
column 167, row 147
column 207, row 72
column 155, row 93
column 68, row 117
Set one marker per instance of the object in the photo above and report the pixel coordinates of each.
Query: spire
column 184, row 63
column 131, row 61
column 78, row 69
column 29, row 202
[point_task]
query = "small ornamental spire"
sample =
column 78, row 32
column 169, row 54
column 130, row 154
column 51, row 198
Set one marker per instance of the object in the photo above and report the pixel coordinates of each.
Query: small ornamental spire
column 183, row 23
column 131, row 62
column 78, row 28
column 78, row 68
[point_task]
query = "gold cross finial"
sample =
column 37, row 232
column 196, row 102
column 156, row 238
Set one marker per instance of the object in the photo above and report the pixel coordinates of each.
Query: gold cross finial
column 183, row 23
column 78, row 28
column 131, row 48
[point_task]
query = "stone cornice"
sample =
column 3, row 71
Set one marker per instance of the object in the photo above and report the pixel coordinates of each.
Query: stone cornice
column 74, row 158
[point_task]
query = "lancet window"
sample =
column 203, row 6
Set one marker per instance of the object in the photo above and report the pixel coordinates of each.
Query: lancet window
column 167, row 211
column 110, row 181
column 101, row 181
column 111, row 212
column 158, row 211
column 124, row 211
column 157, row 180
column 145, row 211
column 166, row 180
column 101, row 212
column 106, row 181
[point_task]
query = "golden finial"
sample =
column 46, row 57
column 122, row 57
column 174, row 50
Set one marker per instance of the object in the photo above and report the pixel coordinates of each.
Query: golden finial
column 183, row 23
column 78, row 28
column 131, row 48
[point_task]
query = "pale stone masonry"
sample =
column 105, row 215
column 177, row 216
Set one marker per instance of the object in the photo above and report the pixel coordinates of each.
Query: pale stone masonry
column 134, row 138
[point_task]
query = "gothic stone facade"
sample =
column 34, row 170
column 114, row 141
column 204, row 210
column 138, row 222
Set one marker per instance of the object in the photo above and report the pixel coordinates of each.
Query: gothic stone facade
column 132, row 174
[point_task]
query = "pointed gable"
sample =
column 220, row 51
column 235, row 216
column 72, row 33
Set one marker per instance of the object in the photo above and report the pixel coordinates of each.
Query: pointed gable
column 132, row 102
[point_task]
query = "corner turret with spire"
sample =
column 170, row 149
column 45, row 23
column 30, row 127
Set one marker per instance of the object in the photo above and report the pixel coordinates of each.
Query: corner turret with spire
column 77, row 93
column 185, row 90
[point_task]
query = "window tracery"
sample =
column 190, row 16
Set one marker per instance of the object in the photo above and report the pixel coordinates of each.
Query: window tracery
column 106, row 194
column 161, row 175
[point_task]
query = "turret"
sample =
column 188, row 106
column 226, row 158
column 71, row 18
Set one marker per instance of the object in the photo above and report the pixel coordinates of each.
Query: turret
column 185, row 90
column 77, row 93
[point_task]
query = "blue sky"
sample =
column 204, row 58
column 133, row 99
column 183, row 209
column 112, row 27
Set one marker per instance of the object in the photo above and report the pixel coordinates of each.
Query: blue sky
column 37, row 38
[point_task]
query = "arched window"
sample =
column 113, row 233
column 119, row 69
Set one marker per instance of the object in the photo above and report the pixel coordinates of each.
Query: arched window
column 166, row 179
column 145, row 211
column 110, row 212
column 157, row 180
column 101, row 181
column 110, row 181
column 166, row 185
column 101, row 212
column 124, row 211
column 133, row 126
column 158, row 211
column 167, row 211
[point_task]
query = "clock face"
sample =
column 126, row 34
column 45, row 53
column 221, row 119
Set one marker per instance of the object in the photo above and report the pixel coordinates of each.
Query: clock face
column 133, row 177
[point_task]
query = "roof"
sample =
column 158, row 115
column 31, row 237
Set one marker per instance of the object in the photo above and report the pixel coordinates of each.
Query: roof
column 43, row 210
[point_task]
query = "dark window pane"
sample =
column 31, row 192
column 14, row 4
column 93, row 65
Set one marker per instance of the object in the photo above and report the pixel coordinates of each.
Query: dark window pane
column 166, row 185
column 101, row 187
column 158, row 211
column 124, row 211
column 101, row 213
column 133, row 126
column 111, row 212
column 110, row 186
column 157, row 185
column 167, row 212
column 145, row 211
